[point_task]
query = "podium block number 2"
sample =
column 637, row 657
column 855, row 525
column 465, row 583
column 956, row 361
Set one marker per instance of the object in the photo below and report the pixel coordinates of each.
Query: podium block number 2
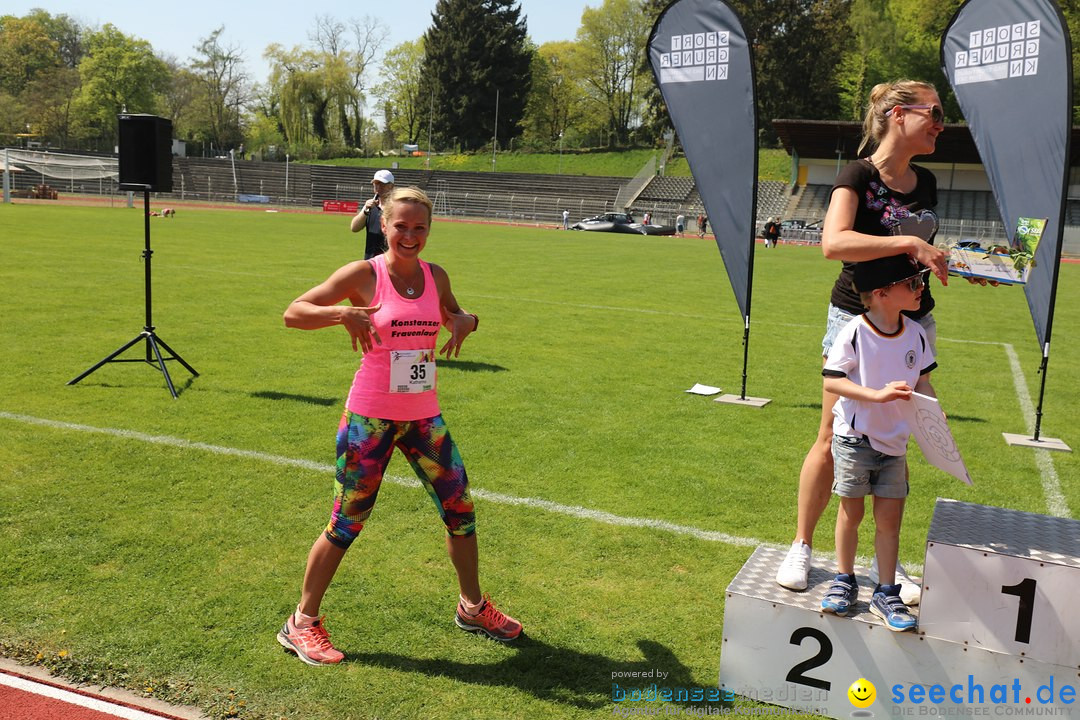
column 824, row 654
column 1025, row 590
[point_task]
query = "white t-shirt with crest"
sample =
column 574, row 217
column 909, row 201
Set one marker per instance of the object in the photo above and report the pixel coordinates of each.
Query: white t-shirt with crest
column 873, row 359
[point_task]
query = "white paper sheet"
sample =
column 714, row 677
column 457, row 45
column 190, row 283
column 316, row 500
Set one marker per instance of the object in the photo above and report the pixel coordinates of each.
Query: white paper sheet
column 931, row 430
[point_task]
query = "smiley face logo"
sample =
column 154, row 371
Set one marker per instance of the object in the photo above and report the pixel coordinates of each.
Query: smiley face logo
column 862, row 693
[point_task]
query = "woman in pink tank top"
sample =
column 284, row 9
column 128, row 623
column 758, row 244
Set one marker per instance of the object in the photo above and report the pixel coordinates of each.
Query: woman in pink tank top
column 397, row 305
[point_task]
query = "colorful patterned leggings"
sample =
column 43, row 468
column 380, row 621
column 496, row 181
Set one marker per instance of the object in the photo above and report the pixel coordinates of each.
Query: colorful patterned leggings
column 364, row 448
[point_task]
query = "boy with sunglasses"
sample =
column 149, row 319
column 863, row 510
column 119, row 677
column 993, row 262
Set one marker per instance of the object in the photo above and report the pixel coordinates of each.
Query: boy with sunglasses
column 878, row 359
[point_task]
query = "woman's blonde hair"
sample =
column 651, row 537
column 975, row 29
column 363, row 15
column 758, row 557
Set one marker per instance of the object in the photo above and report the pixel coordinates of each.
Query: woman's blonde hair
column 883, row 98
column 406, row 195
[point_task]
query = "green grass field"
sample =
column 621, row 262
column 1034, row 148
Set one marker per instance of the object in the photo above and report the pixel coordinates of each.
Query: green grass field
column 138, row 551
column 773, row 164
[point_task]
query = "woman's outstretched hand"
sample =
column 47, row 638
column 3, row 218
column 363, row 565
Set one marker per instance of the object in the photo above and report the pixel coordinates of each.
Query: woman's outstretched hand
column 463, row 324
column 935, row 259
column 360, row 326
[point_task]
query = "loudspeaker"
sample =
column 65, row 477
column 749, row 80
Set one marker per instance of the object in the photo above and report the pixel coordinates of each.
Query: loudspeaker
column 145, row 152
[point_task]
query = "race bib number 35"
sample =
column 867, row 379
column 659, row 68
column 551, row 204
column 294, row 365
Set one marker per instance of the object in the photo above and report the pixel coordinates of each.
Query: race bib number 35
column 412, row 371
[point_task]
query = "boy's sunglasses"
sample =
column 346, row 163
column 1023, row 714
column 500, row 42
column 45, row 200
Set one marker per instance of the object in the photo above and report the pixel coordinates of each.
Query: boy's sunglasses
column 915, row 282
column 937, row 115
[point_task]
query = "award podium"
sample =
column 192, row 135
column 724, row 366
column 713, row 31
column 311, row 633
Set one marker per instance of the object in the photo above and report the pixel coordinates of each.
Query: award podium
column 995, row 635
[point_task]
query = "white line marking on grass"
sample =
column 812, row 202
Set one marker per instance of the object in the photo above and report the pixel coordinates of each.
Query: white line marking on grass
column 1055, row 500
column 496, row 497
column 610, row 519
column 169, row 441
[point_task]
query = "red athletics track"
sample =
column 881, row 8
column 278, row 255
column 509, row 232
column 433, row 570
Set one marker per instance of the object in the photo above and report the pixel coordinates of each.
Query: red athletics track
column 23, row 697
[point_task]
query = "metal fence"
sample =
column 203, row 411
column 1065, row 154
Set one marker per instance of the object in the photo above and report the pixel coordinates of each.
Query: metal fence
column 987, row 232
column 516, row 207
column 949, row 233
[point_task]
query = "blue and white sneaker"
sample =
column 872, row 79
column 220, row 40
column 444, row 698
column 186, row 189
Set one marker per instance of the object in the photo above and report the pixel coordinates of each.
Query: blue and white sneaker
column 841, row 596
column 910, row 591
column 888, row 606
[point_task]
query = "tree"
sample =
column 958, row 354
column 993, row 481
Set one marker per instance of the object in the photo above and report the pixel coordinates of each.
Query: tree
column 795, row 56
column 119, row 74
column 914, row 29
column 1071, row 10
column 555, row 99
column 12, row 115
column 655, row 120
column 262, row 134
column 223, row 90
column 67, row 33
column 178, row 98
column 612, row 40
column 25, row 50
column 29, row 60
column 51, row 95
column 400, row 90
column 346, row 67
column 50, row 101
column 476, row 57
column 317, row 92
column 306, row 84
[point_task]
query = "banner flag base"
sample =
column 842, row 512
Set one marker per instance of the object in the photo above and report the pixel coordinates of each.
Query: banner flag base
column 1043, row 443
column 736, row 400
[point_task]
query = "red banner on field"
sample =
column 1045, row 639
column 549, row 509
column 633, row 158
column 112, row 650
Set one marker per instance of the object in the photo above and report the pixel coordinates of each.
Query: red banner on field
column 349, row 206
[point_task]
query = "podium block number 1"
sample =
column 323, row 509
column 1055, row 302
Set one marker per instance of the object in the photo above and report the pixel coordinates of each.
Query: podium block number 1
column 1025, row 590
column 991, row 600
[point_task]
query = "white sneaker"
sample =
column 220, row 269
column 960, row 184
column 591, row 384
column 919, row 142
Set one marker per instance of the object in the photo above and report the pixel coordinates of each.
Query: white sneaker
column 910, row 591
column 794, row 572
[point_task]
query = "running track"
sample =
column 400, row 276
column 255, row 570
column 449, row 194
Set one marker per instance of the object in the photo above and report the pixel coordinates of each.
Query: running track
column 37, row 697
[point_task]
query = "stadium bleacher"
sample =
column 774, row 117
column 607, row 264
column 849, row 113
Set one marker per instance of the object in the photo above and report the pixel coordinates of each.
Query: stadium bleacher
column 772, row 198
column 812, row 201
column 666, row 189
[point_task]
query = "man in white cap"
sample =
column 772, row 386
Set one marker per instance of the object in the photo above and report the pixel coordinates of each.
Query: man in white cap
column 371, row 214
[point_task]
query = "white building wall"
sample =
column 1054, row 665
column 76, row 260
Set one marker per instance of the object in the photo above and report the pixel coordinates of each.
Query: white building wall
column 949, row 176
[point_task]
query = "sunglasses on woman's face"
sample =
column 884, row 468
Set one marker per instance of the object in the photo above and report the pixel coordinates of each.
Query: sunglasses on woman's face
column 937, row 115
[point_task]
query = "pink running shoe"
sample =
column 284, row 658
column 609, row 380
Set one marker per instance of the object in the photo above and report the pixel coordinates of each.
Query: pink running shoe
column 489, row 621
column 310, row 644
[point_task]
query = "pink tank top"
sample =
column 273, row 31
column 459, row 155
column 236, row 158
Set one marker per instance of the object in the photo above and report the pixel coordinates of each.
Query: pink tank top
column 396, row 380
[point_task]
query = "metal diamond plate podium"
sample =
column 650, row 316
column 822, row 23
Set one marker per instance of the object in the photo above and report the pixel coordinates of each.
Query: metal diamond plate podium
column 990, row 573
column 1003, row 580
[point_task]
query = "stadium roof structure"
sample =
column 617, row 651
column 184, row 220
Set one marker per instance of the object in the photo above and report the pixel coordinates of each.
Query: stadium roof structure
column 820, row 139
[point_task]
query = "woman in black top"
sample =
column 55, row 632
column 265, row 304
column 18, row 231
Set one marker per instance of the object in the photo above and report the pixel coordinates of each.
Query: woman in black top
column 881, row 205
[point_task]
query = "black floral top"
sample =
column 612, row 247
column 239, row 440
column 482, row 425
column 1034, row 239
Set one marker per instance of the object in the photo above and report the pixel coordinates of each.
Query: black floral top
column 884, row 211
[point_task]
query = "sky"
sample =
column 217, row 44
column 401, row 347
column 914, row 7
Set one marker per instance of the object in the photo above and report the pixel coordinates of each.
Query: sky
column 175, row 28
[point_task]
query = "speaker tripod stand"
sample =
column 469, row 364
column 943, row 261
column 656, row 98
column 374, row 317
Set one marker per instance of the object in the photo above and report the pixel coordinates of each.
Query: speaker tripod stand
column 154, row 344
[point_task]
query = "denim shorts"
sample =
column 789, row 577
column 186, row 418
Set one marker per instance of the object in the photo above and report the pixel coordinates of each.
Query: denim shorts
column 839, row 318
column 860, row 470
